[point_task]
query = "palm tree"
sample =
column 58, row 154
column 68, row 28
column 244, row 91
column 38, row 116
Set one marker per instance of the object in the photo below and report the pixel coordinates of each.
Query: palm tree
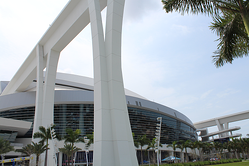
column 180, row 146
column 27, row 150
column 218, row 148
column 45, row 134
column 141, row 141
column 199, row 146
column 73, row 137
column 90, row 140
column 185, row 145
column 69, row 150
column 213, row 7
column 5, row 146
column 233, row 39
column 193, row 146
column 231, row 23
column 236, row 147
column 152, row 145
column 173, row 146
column 39, row 148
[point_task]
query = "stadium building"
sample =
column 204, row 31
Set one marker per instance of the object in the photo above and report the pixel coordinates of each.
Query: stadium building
column 73, row 108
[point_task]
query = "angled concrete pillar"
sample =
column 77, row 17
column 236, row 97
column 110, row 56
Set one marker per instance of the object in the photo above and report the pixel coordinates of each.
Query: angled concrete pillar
column 48, row 98
column 39, row 89
column 113, row 142
column 44, row 111
column 39, row 95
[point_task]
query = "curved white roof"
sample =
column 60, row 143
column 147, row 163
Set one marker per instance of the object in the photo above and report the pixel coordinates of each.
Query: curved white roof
column 75, row 89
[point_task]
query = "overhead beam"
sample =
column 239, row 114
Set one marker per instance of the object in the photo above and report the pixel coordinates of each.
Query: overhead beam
column 223, row 119
column 70, row 22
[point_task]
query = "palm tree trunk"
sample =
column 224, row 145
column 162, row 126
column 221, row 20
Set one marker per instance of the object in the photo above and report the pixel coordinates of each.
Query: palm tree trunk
column 37, row 160
column 72, row 159
column 186, row 155
column 46, row 157
column 141, row 155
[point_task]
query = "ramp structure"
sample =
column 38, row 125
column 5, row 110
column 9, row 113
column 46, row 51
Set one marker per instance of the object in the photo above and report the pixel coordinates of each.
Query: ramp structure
column 222, row 124
column 113, row 142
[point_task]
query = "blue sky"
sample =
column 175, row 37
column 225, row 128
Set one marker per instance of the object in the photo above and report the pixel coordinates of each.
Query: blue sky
column 165, row 57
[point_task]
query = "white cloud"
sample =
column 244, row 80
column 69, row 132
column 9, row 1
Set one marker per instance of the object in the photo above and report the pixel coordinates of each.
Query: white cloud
column 204, row 95
column 227, row 92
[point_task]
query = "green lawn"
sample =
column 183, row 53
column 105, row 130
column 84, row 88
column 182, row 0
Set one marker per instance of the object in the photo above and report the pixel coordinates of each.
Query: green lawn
column 235, row 164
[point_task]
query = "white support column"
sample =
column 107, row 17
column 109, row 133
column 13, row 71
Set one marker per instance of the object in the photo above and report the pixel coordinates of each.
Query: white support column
column 220, row 127
column 60, row 158
column 39, row 95
column 39, row 89
column 182, row 156
column 113, row 142
column 48, row 97
column 226, row 126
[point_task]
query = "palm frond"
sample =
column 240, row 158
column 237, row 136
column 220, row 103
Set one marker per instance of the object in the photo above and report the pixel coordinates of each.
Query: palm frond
column 189, row 6
column 233, row 39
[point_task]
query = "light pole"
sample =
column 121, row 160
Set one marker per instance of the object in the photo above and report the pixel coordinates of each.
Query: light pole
column 86, row 141
column 158, row 135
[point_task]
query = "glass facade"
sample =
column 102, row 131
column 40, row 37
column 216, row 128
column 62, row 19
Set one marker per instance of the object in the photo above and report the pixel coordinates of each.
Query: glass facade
column 80, row 116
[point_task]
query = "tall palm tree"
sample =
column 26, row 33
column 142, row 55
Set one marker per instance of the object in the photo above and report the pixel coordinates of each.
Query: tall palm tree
column 141, row 141
column 193, row 146
column 69, row 150
column 173, row 146
column 39, row 148
column 186, row 145
column 152, row 145
column 213, row 7
column 199, row 146
column 233, row 39
column 180, row 146
column 231, row 23
column 45, row 134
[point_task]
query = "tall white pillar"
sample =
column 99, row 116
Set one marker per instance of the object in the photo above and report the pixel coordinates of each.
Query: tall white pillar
column 113, row 142
column 48, row 98
column 39, row 95
column 60, row 158
column 44, row 111
column 39, row 89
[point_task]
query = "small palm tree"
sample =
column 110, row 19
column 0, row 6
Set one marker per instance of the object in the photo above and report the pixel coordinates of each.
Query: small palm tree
column 141, row 141
column 45, row 134
column 39, row 148
column 5, row 146
column 27, row 150
column 73, row 137
column 69, row 150
column 90, row 138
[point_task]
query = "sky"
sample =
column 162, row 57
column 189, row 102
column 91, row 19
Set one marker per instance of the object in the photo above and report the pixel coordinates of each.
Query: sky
column 166, row 57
